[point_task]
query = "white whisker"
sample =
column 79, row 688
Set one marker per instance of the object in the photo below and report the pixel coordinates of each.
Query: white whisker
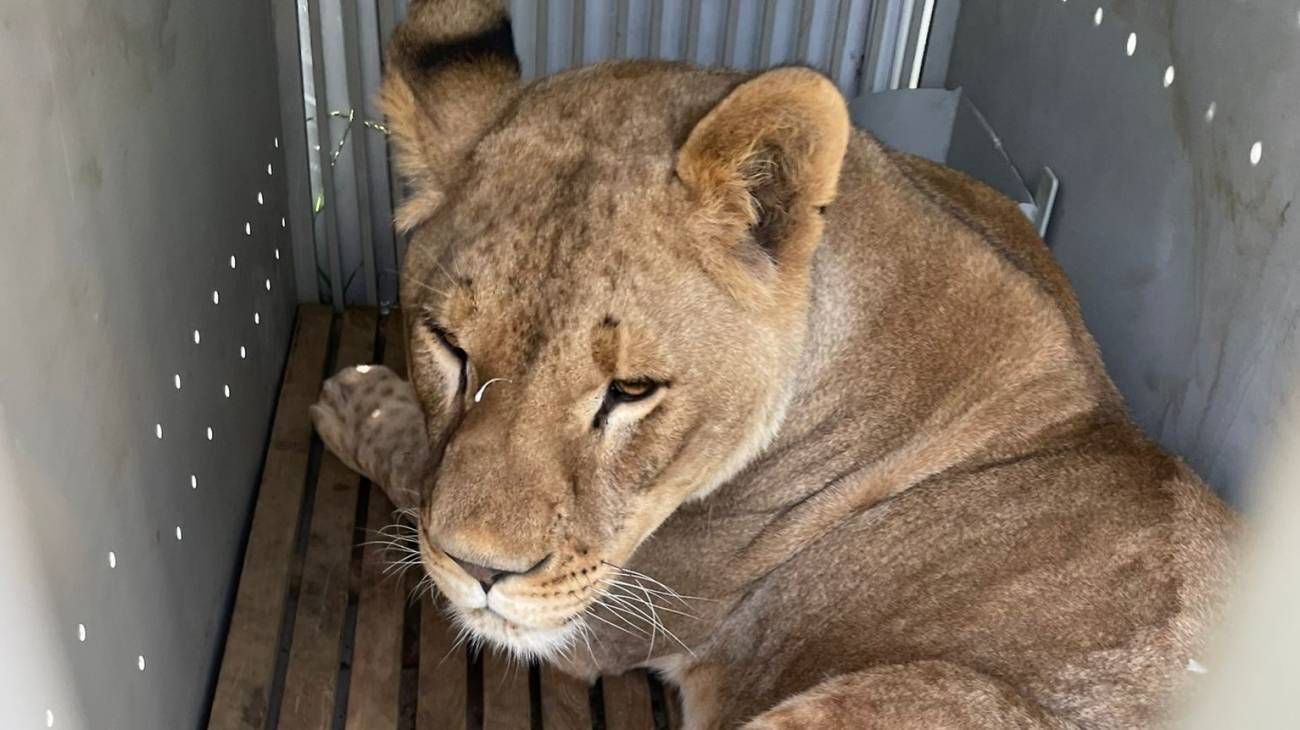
column 596, row 616
column 649, row 592
column 671, row 592
column 657, row 623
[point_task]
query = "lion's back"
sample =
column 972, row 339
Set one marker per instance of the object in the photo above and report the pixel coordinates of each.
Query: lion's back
column 1087, row 574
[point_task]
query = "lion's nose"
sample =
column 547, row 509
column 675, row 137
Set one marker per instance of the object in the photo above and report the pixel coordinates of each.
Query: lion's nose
column 483, row 574
column 487, row 576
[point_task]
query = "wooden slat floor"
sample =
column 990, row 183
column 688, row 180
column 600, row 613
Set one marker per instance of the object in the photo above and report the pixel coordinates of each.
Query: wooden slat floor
column 321, row 638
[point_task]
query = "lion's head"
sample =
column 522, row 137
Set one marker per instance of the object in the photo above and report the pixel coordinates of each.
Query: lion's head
column 605, row 292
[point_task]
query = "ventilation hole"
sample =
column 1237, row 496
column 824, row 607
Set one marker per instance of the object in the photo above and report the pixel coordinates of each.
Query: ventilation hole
column 1097, row 16
column 283, row 223
column 232, row 261
column 49, row 718
column 1256, row 153
column 112, row 559
column 216, row 297
column 81, row 633
column 243, row 353
column 139, row 662
column 1169, row 77
column 1210, row 111
column 269, row 170
column 260, row 199
column 226, row 389
column 268, row 285
column 257, row 318
column 209, row 433
column 194, row 482
column 157, row 430
column 1131, row 47
column 179, row 534
column 248, row 229
column 176, row 380
column 196, row 337
column 277, row 254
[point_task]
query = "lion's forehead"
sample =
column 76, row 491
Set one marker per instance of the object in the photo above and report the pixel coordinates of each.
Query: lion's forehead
column 584, row 230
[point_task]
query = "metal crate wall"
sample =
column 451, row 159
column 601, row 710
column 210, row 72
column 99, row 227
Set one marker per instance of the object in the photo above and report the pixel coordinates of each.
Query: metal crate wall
column 1175, row 128
column 347, row 249
column 148, row 297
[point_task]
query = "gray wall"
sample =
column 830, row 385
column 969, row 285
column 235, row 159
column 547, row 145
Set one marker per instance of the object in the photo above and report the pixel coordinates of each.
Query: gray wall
column 135, row 139
column 1185, row 255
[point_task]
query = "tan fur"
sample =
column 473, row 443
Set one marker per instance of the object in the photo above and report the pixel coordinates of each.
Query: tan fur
column 886, row 464
column 434, row 128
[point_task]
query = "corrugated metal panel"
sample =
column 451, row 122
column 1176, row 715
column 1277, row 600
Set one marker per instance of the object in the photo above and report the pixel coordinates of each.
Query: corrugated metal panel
column 831, row 35
column 863, row 45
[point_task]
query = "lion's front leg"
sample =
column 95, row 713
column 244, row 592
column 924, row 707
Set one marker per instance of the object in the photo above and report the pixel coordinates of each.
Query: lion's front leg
column 370, row 418
column 919, row 695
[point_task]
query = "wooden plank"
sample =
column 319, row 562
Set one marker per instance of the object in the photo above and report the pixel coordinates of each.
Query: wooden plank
column 377, row 656
column 673, row 704
column 565, row 701
column 443, row 681
column 248, row 662
column 627, row 702
column 311, row 679
column 395, row 342
column 505, row 693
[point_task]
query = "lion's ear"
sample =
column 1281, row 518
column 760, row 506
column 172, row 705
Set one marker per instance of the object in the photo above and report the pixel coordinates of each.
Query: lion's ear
column 766, row 159
column 452, row 69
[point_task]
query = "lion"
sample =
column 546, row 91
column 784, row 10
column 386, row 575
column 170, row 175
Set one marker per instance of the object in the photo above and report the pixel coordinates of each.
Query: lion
column 704, row 380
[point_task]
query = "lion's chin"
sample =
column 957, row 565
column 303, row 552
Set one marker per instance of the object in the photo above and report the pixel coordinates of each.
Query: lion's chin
column 526, row 643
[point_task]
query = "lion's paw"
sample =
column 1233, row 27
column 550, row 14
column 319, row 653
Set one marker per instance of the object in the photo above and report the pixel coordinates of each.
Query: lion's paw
column 370, row 418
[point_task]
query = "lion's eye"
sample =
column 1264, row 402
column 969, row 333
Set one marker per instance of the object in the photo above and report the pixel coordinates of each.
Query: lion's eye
column 623, row 391
column 628, row 391
column 448, row 340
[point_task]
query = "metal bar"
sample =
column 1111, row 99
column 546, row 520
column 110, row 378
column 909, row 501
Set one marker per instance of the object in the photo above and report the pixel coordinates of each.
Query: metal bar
column 360, row 156
column 379, row 172
column 610, row 30
column 323, row 153
column 650, row 50
column 729, row 33
column 765, row 44
column 693, row 31
column 542, row 35
column 922, row 44
column 806, row 8
column 293, row 148
column 840, row 37
column 684, row 37
column 880, row 43
column 656, row 28
column 621, row 29
column 900, row 44
column 388, row 18
column 578, row 35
